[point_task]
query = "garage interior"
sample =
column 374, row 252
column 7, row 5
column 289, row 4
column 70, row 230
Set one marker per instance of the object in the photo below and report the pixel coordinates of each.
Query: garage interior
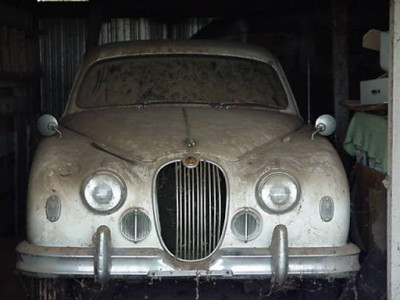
column 324, row 51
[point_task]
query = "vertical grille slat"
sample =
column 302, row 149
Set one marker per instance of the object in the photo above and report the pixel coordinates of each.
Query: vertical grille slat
column 198, row 214
column 179, row 224
column 193, row 253
column 204, row 246
column 184, row 245
column 189, row 200
column 214, row 207
column 209, row 208
column 192, row 208
column 202, row 220
column 178, row 202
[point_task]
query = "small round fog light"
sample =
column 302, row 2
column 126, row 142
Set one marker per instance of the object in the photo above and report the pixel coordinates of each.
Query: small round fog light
column 246, row 225
column 135, row 225
column 326, row 209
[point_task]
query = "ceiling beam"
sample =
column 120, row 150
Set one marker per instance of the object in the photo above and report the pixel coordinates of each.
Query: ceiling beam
column 163, row 8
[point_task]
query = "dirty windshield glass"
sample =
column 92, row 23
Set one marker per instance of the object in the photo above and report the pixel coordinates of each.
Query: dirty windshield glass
column 208, row 79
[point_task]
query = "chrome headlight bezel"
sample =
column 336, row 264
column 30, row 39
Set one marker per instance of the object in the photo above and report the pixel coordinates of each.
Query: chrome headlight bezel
column 89, row 203
column 269, row 207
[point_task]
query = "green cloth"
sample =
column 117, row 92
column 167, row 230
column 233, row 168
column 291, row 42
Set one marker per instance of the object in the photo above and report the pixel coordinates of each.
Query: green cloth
column 368, row 132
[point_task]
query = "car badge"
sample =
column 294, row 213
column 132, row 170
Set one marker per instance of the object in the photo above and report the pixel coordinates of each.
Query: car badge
column 191, row 161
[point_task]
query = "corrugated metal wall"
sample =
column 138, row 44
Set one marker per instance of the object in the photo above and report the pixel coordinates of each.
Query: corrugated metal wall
column 118, row 30
column 62, row 46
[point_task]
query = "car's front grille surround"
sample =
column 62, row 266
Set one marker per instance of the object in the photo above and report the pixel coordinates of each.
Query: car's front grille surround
column 191, row 205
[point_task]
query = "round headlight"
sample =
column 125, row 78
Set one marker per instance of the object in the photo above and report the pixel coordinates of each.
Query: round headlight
column 103, row 192
column 277, row 192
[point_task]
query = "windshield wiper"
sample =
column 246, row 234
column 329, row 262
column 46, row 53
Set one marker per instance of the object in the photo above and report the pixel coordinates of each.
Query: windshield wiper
column 212, row 104
column 229, row 104
column 156, row 102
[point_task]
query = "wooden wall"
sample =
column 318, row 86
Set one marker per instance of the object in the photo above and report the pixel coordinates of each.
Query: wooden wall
column 18, row 102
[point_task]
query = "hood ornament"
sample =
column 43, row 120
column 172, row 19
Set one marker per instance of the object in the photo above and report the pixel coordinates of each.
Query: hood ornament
column 190, row 143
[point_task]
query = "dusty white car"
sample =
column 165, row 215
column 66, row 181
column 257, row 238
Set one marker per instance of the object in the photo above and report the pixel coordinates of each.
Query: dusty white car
column 185, row 159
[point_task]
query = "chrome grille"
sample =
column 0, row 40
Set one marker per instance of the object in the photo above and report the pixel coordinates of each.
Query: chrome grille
column 191, row 205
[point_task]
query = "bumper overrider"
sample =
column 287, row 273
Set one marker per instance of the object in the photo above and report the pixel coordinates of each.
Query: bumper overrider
column 103, row 262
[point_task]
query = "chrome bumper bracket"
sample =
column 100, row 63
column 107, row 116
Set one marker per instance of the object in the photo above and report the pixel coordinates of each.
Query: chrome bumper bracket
column 279, row 254
column 102, row 254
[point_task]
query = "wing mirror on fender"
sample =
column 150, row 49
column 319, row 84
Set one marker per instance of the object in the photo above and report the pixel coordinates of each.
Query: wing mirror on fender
column 48, row 125
column 325, row 125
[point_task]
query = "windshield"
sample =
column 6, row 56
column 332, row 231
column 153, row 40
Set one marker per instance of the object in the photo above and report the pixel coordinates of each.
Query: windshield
column 189, row 78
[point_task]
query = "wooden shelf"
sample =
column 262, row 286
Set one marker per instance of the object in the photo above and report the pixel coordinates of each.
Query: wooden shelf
column 356, row 105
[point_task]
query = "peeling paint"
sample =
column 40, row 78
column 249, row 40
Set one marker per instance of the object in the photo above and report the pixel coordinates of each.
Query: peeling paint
column 68, row 168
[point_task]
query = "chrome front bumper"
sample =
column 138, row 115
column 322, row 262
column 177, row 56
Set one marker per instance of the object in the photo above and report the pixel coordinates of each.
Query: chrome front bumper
column 103, row 262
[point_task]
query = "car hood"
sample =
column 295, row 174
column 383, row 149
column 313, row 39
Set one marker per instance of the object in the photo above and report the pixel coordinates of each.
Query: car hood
column 156, row 131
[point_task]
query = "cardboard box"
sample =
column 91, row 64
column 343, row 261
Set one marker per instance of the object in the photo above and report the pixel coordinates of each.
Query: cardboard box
column 374, row 91
column 378, row 40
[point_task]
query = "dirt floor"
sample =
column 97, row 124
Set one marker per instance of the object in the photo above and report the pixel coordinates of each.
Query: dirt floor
column 10, row 284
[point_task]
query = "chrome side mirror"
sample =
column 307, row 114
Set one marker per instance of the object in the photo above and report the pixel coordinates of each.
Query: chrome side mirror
column 325, row 125
column 48, row 125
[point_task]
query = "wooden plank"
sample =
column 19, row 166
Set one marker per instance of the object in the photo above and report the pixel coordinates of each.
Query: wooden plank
column 340, row 69
column 1, row 52
column 6, row 174
column 306, row 60
column 7, row 144
column 394, row 155
column 22, row 51
column 7, row 106
column 356, row 105
column 94, row 26
column 5, row 50
column 14, row 51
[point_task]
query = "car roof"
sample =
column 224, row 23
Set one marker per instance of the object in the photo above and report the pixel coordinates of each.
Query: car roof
column 201, row 47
